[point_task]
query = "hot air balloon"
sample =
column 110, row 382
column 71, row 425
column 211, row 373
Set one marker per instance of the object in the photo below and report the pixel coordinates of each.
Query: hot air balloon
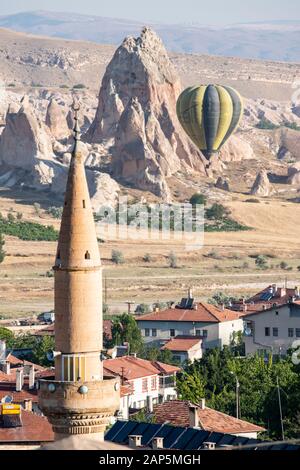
column 209, row 114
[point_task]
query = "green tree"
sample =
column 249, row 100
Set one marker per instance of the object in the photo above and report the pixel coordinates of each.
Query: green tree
column 2, row 251
column 141, row 309
column 117, row 257
column 40, row 349
column 217, row 212
column 7, row 336
column 125, row 330
column 190, row 386
column 261, row 262
column 198, row 199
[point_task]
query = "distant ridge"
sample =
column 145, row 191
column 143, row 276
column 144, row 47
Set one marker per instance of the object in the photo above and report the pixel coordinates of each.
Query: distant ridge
column 272, row 40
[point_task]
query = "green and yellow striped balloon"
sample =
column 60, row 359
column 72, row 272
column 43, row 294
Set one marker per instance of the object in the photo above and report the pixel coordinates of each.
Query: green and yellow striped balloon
column 209, row 114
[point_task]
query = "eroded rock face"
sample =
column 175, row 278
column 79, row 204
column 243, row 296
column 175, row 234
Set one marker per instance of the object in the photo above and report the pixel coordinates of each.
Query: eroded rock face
column 262, row 186
column 222, row 183
column 56, row 121
column 137, row 115
column 24, row 139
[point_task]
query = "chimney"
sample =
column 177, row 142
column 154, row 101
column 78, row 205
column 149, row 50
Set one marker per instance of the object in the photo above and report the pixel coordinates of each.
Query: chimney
column 135, row 441
column 2, row 350
column 282, row 291
column 31, row 378
column 193, row 416
column 190, row 293
column 19, row 380
column 5, row 367
column 274, row 286
column 157, row 443
column 222, row 306
column 202, row 404
column 133, row 355
column 28, row 404
column 209, row 445
column 149, row 404
column 244, row 307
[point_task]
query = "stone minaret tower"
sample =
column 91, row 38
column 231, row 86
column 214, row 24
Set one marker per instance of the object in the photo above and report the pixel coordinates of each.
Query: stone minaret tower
column 78, row 401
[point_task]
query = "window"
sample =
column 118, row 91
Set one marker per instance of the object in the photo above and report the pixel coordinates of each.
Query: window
column 204, row 333
column 172, row 333
column 73, row 368
column 198, row 333
column 147, row 332
column 83, row 203
column 153, row 383
column 276, row 313
column 298, row 332
column 145, row 385
column 275, row 331
column 291, row 332
column 267, row 331
column 154, row 332
column 87, row 255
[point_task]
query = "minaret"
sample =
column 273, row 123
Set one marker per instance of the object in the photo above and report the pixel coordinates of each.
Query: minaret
column 79, row 401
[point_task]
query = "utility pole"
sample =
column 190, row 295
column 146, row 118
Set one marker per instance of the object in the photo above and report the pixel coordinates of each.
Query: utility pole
column 237, row 395
column 280, row 408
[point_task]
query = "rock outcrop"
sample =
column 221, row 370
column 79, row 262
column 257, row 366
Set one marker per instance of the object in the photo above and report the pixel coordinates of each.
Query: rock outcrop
column 136, row 115
column 262, row 186
column 56, row 121
column 24, row 139
column 222, row 183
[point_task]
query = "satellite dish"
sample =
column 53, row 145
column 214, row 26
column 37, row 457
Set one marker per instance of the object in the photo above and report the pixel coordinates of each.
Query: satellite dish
column 247, row 331
column 7, row 399
column 51, row 355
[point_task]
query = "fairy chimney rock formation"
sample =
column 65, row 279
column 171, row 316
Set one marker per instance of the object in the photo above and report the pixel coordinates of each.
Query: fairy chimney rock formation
column 56, row 120
column 262, row 186
column 136, row 115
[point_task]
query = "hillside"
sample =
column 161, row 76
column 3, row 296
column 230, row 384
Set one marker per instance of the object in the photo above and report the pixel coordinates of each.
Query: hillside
column 271, row 41
column 31, row 61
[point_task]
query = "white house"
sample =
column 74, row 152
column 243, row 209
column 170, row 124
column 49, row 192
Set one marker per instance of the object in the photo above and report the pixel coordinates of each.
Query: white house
column 272, row 330
column 144, row 383
column 216, row 326
column 184, row 348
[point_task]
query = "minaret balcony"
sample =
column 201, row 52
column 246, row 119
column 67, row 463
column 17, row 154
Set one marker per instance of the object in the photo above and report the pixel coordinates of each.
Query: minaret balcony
column 79, row 407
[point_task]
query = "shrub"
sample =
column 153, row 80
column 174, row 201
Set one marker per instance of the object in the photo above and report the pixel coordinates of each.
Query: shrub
column 172, row 260
column 261, row 262
column 253, row 200
column 10, row 217
column 19, row 216
column 147, row 258
column 28, row 230
column 79, row 86
column 197, row 199
column 55, row 212
column 117, row 257
column 283, row 265
column 217, row 212
column 266, row 124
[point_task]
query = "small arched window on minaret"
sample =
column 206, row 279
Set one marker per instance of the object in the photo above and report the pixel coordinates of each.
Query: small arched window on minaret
column 87, row 255
column 83, row 203
column 58, row 260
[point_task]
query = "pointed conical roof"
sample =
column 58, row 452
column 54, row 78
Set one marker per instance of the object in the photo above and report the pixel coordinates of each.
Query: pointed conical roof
column 78, row 245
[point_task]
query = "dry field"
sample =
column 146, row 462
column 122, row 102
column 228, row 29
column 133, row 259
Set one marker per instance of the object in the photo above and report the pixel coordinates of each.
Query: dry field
column 224, row 263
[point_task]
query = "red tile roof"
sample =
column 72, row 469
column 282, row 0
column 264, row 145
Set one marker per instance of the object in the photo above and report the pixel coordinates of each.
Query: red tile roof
column 133, row 367
column 202, row 313
column 8, row 388
column 34, row 429
column 281, row 297
column 182, row 343
column 176, row 412
column 15, row 361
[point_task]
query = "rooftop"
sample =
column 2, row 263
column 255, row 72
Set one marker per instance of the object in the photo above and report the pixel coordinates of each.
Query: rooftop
column 34, row 428
column 201, row 312
column 176, row 412
column 131, row 367
column 182, row 343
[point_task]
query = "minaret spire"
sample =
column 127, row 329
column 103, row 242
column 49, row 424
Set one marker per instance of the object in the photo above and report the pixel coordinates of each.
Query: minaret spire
column 81, row 401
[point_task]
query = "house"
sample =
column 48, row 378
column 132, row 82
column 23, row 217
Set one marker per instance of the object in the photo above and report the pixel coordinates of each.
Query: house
column 23, row 430
column 273, row 329
column 216, row 326
column 166, row 436
column 184, row 348
column 147, row 382
column 186, row 414
column 272, row 296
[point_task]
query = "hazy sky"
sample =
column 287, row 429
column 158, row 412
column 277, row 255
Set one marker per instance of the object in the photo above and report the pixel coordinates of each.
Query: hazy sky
column 170, row 11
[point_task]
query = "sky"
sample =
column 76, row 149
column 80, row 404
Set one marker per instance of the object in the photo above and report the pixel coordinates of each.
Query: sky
column 214, row 12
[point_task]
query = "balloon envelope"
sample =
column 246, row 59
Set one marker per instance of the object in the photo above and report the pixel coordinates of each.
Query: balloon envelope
column 209, row 114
